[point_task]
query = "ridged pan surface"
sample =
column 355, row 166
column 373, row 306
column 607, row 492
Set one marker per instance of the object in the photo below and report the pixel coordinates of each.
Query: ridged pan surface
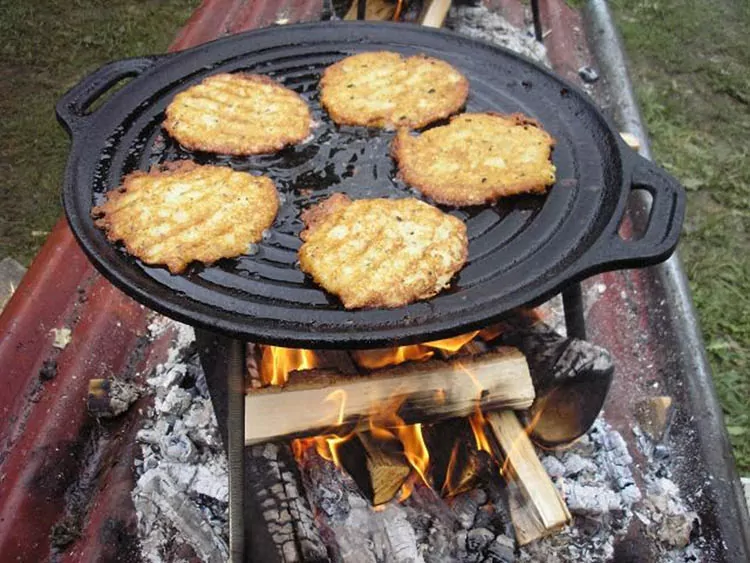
column 521, row 249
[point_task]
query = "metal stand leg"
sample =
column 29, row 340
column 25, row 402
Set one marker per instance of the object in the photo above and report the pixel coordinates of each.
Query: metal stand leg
column 538, row 35
column 236, row 448
column 573, row 306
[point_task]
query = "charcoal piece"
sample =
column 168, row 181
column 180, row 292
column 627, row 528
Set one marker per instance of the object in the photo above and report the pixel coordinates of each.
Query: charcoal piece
column 478, row 538
column 274, row 487
column 464, row 507
column 501, row 550
column 48, row 370
column 485, row 517
column 571, row 379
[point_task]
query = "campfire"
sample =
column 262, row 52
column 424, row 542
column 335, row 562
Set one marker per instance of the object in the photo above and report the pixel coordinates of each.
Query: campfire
column 435, row 420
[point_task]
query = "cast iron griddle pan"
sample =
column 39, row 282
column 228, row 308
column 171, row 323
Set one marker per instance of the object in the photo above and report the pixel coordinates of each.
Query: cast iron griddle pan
column 521, row 250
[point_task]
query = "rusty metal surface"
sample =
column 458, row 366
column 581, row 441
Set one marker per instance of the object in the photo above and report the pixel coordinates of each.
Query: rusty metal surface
column 65, row 479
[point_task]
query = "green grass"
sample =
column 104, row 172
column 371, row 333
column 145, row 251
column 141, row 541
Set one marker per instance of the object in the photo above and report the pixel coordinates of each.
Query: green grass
column 46, row 48
column 690, row 62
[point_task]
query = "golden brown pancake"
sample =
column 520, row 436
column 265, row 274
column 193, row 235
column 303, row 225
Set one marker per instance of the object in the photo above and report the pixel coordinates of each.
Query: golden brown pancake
column 238, row 114
column 188, row 212
column 383, row 89
column 381, row 252
column 477, row 158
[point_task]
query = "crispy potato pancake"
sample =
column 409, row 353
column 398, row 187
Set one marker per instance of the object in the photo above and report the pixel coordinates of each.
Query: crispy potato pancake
column 188, row 212
column 381, row 252
column 477, row 158
column 383, row 89
column 238, row 114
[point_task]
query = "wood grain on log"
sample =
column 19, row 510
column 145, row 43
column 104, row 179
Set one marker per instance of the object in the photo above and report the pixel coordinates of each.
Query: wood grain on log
column 378, row 466
column 536, row 507
column 317, row 401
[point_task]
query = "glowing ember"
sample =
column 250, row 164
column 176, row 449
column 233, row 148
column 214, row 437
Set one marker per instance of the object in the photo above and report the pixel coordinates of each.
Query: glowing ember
column 277, row 363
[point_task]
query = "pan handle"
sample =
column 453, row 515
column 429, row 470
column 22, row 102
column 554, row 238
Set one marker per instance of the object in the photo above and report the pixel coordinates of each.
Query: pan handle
column 662, row 230
column 72, row 109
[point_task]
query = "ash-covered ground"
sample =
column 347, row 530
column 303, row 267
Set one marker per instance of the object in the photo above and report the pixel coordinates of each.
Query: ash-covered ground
column 182, row 485
column 618, row 508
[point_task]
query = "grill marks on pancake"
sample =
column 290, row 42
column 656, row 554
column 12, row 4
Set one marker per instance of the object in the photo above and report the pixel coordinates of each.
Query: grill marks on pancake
column 384, row 89
column 238, row 114
column 477, row 158
column 188, row 212
column 381, row 252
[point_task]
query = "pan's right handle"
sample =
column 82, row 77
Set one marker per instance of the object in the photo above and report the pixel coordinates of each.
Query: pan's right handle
column 72, row 109
column 662, row 231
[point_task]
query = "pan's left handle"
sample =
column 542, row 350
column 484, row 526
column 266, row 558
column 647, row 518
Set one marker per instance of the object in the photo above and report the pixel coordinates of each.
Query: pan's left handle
column 73, row 108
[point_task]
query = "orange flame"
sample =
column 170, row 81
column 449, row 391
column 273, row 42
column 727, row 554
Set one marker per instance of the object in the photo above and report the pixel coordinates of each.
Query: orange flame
column 517, row 440
column 448, row 486
column 385, row 423
column 418, row 457
column 478, row 424
column 385, row 357
column 452, row 345
column 340, row 395
column 277, row 363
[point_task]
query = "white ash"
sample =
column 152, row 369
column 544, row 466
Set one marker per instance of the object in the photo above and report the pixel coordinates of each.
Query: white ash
column 181, row 494
column 665, row 513
column 596, row 478
column 480, row 22
column 120, row 395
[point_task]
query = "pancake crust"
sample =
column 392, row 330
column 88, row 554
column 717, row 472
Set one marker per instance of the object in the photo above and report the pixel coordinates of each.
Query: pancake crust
column 381, row 252
column 238, row 114
column 188, row 212
column 477, row 158
column 383, row 89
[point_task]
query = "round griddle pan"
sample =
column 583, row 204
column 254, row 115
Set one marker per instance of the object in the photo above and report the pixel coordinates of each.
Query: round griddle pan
column 521, row 250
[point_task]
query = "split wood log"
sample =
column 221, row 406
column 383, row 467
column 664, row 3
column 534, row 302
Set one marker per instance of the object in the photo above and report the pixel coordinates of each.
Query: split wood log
column 374, row 10
column 318, row 402
column 455, row 463
column 536, row 507
column 378, row 466
column 435, row 12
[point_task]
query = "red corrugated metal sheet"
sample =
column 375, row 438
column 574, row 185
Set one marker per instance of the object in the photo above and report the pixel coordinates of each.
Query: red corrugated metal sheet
column 59, row 468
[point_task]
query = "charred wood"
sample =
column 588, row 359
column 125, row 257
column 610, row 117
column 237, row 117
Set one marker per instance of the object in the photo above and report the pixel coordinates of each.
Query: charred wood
column 571, row 378
column 274, row 487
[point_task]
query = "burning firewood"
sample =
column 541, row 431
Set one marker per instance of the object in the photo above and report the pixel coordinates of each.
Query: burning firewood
column 317, row 401
column 377, row 465
column 536, row 508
